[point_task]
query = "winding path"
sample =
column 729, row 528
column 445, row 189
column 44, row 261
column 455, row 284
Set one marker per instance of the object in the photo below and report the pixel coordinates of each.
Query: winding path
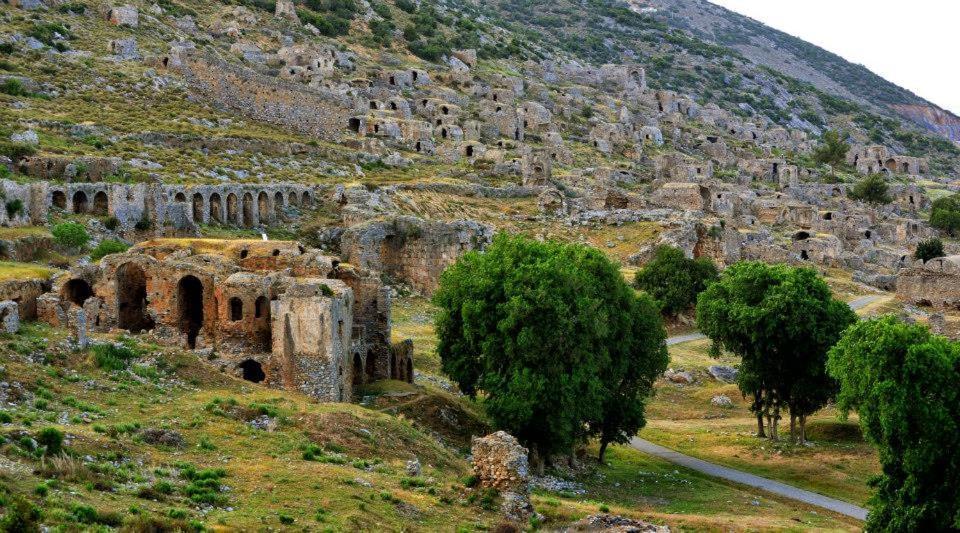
column 855, row 304
column 751, row 480
column 743, row 478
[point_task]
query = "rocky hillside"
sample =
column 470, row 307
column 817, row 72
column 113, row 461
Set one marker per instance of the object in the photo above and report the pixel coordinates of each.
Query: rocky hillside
column 804, row 61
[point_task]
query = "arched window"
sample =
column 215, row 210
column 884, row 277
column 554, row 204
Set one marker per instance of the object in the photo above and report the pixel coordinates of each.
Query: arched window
column 236, row 309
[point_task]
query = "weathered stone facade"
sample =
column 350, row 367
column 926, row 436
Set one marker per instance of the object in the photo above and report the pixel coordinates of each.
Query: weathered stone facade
column 268, row 311
column 935, row 283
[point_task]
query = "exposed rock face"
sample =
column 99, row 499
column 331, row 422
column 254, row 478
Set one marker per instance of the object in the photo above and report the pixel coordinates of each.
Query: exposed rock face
column 126, row 15
column 608, row 523
column 500, row 462
column 412, row 250
column 9, row 316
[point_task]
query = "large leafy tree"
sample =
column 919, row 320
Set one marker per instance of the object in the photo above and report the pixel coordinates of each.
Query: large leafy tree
column 945, row 214
column 674, row 280
column 558, row 344
column 905, row 385
column 781, row 321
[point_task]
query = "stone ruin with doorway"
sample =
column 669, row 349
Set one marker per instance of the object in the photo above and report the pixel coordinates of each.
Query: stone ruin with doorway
column 267, row 311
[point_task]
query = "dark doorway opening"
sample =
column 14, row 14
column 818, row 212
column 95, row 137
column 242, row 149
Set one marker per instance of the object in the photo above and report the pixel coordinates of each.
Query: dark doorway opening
column 357, row 370
column 190, row 300
column 252, row 371
column 236, row 309
column 77, row 291
column 132, row 299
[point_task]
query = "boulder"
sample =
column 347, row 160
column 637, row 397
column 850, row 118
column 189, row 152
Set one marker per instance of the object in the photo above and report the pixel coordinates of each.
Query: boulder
column 609, row 523
column 725, row 374
column 126, row 15
column 500, row 462
column 721, row 400
column 10, row 316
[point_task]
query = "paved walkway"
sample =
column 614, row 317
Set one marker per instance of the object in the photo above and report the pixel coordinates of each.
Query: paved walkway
column 858, row 303
column 743, row 478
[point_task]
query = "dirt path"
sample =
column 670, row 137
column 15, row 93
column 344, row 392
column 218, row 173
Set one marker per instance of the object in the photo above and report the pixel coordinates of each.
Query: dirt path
column 743, row 478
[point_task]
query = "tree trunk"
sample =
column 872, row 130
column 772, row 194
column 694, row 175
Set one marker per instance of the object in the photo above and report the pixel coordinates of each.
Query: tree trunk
column 793, row 427
column 774, row 435
column 603, row 450
column 757, row 398
column 803, row 429
column 536, row 462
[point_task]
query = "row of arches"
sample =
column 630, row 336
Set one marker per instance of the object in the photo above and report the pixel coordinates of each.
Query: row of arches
column 261, row 308
column 246, row 210
column 82, row 203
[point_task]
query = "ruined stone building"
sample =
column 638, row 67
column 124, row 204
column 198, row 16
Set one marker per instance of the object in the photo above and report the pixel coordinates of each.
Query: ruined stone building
column 935, row 283
column 268, row 311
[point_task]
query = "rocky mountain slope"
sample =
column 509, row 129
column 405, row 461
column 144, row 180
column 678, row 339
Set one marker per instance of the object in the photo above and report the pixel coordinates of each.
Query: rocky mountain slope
column 804, row 61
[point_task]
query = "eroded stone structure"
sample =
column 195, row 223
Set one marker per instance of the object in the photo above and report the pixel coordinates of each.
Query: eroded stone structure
column 268, row 311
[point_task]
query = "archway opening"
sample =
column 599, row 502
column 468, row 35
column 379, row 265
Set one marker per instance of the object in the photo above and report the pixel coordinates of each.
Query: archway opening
column 371, row 365
column 247, row 210
column 233, row 209
column 198, row 207
column 252, row 371
column 236, row 309
column 216, row 207
column 305, row 199
column 801, row 236
column 80, row 202
column 190, row 306
column 132, row 299
column 355, row 125
column 261, row 308
column 180, row 197
column 77, row 291
column 357, row 370
column 293, row 199
column 278, row 204
column 101, row 204
column 263, row 207
column 59, row 200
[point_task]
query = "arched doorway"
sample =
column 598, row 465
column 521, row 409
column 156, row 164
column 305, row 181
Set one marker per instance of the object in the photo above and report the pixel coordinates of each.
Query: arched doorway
column 357, row 370
column 101, row 204
column 278, row 205
column 132, row 299
column 216, row 208
column 261, row 308
column 80, row 202
column 59, row 200
column 236, row 309
column 294, row 199
column 306, row 199
column 198, row 207
column 252, row 371
column 248, row 210
column 371, row 366
column 77, row 291
column 263, row 207
column 233, row 210
column 190, row 305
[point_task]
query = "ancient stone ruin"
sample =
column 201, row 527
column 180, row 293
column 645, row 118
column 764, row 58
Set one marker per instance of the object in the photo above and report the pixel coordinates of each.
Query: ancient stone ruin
column 267, row 311
column 500, row 462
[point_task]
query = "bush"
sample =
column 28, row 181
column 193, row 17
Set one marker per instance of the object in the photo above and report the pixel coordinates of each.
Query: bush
column 873, row 189
column 832, row 150
column 113, row 357
column 929, row 249
column 14, row 87
column 107, row 247
column 51, row 439
column 20, row 516
column 14, row 207
column 70, row 235
column 406, row 5
column 111, row 223
column 945, row 214
column 17, row 151
column 675, row 281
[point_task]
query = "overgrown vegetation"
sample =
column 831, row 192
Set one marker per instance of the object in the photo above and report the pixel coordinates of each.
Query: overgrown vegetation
column 674, row 280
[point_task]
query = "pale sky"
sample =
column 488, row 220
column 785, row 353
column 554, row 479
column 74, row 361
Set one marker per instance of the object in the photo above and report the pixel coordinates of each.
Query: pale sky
column 914, row 44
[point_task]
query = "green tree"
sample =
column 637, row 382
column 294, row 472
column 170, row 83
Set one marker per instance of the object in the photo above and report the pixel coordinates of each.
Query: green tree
column 674, row 280
column 780, row 321
column 832, row 149
column 70, row 235
column 905, row 384
column 107, row 247
column 872, row 189
column 929, row 249
column 551, row 334
column 945, row 214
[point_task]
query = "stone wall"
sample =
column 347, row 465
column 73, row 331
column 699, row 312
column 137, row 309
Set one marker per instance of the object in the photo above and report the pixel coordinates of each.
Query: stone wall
column 935, row 283
column 410, row 249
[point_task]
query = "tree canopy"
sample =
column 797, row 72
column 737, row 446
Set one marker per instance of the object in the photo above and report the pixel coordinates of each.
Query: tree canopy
column 780, row 321
column 872, row 189
column 945, row 214
column 928, row 249
column 832, row 149
column 905, row 384
column 674, row 280
column 559, row 345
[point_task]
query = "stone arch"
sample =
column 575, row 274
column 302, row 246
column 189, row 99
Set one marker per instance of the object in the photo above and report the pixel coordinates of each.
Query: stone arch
column 216, row 208
column 355, row 125
column 469, row 150
column 236, row 309
column 357, row 370
column 180, row 197
column 80, row 202
column 371, row 365
column 190, row 296
column 247, row 210
column 252, row 371
column 804, row 255
column 101, row 204
column 59, row 200
column 801, row 236
column 261, row 308
column 132, row 299
column 77, row 291
column 197, row 207
column 263, row 207
column 233, row 209
column 305, row 199
column 278, row 204
column 293, row 199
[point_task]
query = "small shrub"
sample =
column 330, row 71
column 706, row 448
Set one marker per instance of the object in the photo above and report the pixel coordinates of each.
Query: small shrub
column 470, row 481
column 111, row 223
column 84, row 514
column 929, row 249
column 14, row 87
column 604, row 509
column 5, row 417
column 406, row 5
column 70, row 235
column 20, row 515
column 144, row 223
column 113, row 357
column 14, row 207
column 873, row 189
column 107, row 247
column 17, row 151
column 945, row 214
column 51, row 439
column 285, row 518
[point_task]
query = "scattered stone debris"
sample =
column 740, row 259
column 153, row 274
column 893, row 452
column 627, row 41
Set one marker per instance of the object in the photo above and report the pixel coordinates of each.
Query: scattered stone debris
column 162, row 437
column 608, row 523
column 413, row 467
column 554, row 484
column 721, row 400
column 678, row 376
